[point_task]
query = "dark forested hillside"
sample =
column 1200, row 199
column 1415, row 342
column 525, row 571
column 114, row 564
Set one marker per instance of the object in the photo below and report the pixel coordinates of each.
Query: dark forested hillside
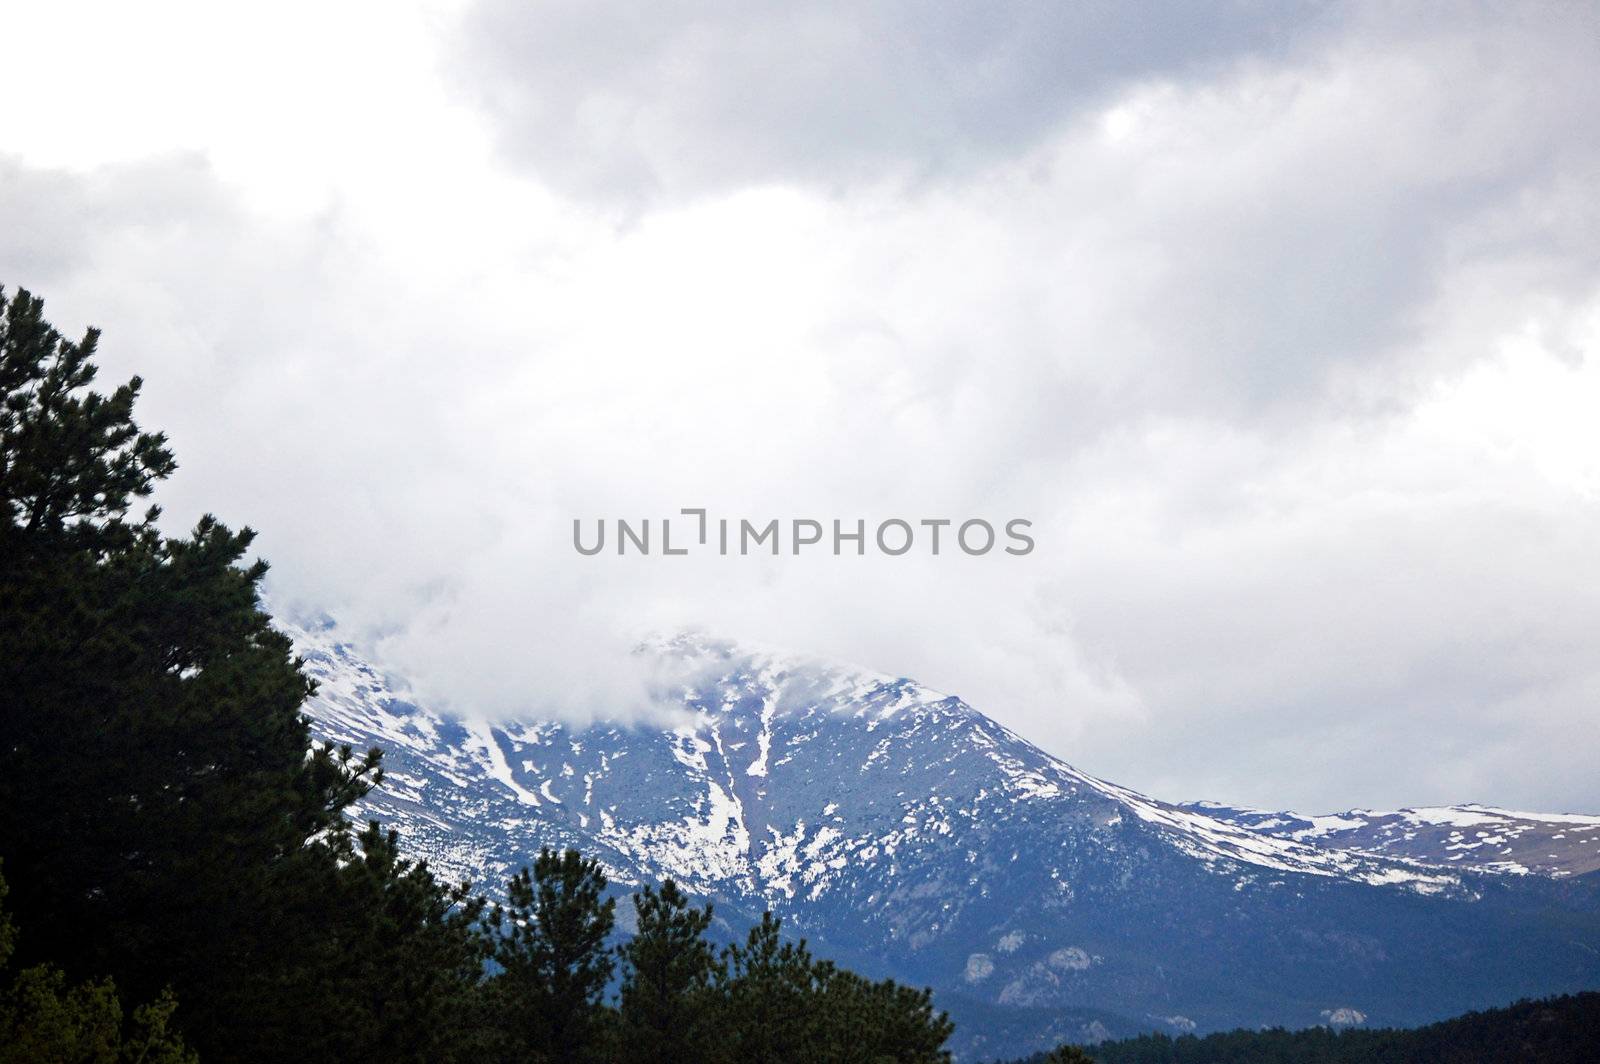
column 1558, row 1030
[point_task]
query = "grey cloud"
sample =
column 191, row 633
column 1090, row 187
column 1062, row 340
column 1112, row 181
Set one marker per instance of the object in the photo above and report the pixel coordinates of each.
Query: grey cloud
column 629, row 103
column 1404, row 646
column 55, row 219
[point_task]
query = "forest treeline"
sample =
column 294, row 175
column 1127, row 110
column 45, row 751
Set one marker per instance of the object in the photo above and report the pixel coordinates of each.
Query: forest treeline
column 181, row 878
column 1557, row 1030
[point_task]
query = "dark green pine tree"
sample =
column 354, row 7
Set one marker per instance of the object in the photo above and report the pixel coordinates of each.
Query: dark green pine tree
column 869, row 1022
column 771, row 1006
column 72, row 461
column 374, row 958
column 43, row 1020
column 670, row 1002
column 164, row 815
column 155, row 768
column 550, row 945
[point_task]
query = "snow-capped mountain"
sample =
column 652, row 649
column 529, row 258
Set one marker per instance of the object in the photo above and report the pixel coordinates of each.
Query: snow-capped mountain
column 907, row 834
column 1453, row 836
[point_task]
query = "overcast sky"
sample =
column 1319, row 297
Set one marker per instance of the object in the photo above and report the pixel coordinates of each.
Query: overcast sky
column 1281, row 322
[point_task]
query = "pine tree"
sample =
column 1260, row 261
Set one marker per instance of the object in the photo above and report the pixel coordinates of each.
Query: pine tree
column 668, row 1008
column 374, row 957
column 771, row 1007
column 71, row 460
column 43, row 1020
column 868, row 1022
column 157, row 777
column 551, row 948
column 782, row 1005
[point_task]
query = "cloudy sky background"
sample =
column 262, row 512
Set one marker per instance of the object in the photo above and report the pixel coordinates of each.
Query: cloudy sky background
column 1281, row 322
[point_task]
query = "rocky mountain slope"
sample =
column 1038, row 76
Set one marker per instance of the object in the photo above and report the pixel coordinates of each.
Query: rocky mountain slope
column 907, row 834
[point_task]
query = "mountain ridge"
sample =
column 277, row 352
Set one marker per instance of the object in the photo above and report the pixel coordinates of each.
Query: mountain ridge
column 910, row 835
column 1510, row 841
